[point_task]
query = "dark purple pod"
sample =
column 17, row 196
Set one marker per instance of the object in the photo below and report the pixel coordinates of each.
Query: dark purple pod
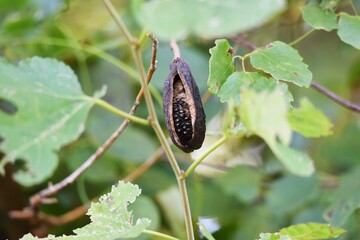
column 184, row 113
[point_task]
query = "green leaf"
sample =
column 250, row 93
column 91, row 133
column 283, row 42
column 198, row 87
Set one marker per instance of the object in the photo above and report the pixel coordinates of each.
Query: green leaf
column 110, row 218
column 311, row 231
column 308, row 231
column 220, row 65
column 207, row 19
column 231, row 89
column 319, row 18
column 238, row 81
column 290, row 193
column 345, row 200
column 349, row 29
column 295, row 161
column 283, row 63
column 309, row 121
column 51, row 111
column 265, row 114
column 243, row 182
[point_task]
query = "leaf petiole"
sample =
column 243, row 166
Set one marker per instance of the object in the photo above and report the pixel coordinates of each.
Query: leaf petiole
column 117, row 111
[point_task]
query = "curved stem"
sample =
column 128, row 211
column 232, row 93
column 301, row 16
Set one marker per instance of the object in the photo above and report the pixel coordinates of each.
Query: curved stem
column 205, row 154
column 301, row 37
column 161, row 235
column 119, row 112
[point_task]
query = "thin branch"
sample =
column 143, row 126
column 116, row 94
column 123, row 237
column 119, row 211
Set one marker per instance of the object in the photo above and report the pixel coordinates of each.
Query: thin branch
column 43, row 195
column 145, row 166
column 119, row 22
column 346, row 104
column 175, row 48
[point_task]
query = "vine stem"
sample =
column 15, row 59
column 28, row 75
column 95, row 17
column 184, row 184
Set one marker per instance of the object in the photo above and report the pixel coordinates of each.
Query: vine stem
column 204, row 155
column 154, row 120
column 119, row 112
column 301, row 37
column 161, row 235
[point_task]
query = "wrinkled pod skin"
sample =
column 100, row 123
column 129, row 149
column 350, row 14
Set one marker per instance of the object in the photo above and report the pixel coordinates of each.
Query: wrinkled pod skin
column 184, row 113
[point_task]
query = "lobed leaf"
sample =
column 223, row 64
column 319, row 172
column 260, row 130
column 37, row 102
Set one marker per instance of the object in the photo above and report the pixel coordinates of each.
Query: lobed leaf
column 207, row 19
column 349, row 29
column 283, row 63
column 309, row 121
column 51, row 112
column 239, row 81
column 110, row 218
column 319, row 18
column 308, row 231
column 220, row 65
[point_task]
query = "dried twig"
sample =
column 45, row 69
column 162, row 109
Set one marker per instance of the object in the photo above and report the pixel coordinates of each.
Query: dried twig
column 346, row 104
column 175, row 48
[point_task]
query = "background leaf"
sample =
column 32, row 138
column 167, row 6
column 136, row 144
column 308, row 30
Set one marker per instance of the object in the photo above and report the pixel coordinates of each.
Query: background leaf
column 346, row 199
column 309, row 121
column 349, row 29
column 208, row 19
column 264, row 114
column 110, row 218
column 311, row 231
column 220, row 65
column 283, row 63
column 51, row 111
column 319, row 18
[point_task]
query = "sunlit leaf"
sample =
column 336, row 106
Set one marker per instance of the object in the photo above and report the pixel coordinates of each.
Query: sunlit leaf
column 51, row 112
column 208, row 19
column 319, row 18
column 311, row 231
column 283, row 63
column 295, row 161
column 308, row 231
column 349, row 29
column 309, row 121
column 264, row 114
column 110, row 218
column 220, row 65
column 238, row 81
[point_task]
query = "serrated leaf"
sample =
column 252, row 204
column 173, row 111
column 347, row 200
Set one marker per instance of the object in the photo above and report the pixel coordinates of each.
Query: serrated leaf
column 238, row 81
column 295, row 161
column 264, row 114
column 349, row 29
column 308, row 231
column 319, row 18
column 283, row 63
column 231, row 89
column 345, row 200
column 311, row 231
column 208, row 19
column 110, row 218
column 220, row 65
column 51, row 111
column 309, row 121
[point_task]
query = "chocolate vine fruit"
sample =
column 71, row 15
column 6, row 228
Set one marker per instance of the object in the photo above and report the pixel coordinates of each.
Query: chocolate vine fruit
column 184, row 113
